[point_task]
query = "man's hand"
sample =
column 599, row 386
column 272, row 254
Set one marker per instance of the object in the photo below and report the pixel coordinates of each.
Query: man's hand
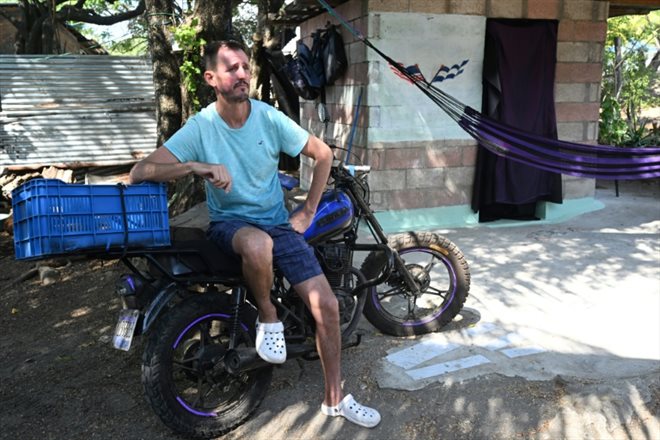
column 322, row 154
column 301, row 220
column 162, row 166
column 216, row 174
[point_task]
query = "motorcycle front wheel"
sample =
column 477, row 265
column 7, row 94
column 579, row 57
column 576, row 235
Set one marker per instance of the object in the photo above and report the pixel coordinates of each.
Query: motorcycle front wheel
column 440, row 272
column 183, row 373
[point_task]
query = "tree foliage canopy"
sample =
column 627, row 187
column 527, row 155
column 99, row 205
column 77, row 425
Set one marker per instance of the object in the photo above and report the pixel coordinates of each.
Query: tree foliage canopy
column 631, row 80
column 39, row 20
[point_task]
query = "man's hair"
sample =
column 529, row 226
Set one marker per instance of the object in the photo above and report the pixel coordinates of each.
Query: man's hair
column 211, row 51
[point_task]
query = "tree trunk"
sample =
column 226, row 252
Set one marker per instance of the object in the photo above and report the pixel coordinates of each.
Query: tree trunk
column 214, row 18
column 618, row 67
column 167, row 88
column 215, row 23
column 166, row 74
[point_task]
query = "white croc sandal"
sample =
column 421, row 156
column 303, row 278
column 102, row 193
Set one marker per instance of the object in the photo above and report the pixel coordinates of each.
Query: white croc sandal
column 270, row 343
column 352, row 411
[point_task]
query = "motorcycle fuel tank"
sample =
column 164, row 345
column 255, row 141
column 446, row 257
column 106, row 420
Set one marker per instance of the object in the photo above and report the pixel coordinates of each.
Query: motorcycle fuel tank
column 333, row 216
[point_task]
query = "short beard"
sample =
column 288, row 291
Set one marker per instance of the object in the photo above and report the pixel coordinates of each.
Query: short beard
column 235, row 94
column 234, row 98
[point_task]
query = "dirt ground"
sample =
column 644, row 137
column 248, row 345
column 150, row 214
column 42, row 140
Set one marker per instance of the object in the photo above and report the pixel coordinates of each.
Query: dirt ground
column 60, row 378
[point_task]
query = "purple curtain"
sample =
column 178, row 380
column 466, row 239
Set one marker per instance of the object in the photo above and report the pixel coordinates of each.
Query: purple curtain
column 519, row 76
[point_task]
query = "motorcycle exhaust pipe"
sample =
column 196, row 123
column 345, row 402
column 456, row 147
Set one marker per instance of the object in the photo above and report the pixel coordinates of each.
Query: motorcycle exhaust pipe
column 239, row 360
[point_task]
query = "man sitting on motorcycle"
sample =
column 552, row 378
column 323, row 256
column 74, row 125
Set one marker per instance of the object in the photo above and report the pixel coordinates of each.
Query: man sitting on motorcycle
column 234, row 144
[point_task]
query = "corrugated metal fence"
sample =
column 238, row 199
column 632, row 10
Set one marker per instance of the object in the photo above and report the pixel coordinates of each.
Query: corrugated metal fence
column 75, row 110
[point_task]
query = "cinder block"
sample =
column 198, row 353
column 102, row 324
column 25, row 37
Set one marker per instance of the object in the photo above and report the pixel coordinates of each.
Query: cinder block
column 467, row 7
column 571, row 92
column 387, row 180
column 356, row 52
column 578, row 9
column 573, row 52
column 601, row 11
column 352, row 9
column 389, row 5
column 596, row 52
column 592, row 132
column 543, row 9
column 582, row 30
column 377, row 200
column 438, row 157
column 469, row 155
column 406, row 199
column 591, row 31
column 575, row 111
column 578, row 72
column 577, row 188
column 404, row 158
column 566, row 30
column 425, row 178
column 444, row 197
column 457, row 178
column 570, row 131
column 505, row 9
column 594, row 92
column 375, row 158
column 429, row 6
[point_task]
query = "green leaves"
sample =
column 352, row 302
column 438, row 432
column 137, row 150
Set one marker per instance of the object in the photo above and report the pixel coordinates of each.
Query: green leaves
column 629, row 78
column 187, row 38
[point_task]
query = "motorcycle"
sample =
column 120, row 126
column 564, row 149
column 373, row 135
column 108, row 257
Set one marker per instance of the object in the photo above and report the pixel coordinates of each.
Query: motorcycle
column 200, row 371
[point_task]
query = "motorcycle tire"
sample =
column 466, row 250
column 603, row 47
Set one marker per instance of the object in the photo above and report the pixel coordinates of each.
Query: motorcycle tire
column 393, row 309
column 183, row 375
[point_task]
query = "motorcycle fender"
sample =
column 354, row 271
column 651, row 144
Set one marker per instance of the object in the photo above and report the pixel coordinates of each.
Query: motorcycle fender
column 157, row 305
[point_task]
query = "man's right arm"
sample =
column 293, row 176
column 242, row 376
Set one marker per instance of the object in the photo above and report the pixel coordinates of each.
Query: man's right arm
column 163, row 166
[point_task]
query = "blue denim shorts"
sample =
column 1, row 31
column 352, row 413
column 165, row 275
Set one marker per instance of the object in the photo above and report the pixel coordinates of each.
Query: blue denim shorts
column 291, row 254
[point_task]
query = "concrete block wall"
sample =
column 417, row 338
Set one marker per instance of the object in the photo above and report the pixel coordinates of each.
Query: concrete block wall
column 409, row 174
column 341, row 98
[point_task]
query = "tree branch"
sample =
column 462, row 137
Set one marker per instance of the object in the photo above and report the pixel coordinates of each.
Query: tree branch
column 90, row 16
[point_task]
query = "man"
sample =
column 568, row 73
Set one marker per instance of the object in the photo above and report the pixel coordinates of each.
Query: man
column 234, row 144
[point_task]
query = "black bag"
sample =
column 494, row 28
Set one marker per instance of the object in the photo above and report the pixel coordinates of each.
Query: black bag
column 335, row 62
column 311, row 69
column 306, row 79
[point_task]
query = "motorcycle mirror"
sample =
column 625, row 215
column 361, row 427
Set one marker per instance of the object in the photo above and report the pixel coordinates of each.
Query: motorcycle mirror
column 322, row 112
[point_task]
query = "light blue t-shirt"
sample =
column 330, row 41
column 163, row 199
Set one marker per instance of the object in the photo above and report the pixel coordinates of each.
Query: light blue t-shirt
column 251, row 155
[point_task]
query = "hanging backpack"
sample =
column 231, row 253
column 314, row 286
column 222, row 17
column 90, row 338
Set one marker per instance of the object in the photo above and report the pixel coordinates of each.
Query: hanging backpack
column 334, row 58
column 307, row 80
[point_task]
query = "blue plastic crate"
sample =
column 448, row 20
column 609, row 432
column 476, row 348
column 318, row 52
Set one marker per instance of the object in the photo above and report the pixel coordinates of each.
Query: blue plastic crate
column 52, row 217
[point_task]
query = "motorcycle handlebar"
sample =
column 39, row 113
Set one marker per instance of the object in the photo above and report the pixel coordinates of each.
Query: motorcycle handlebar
column 351, row 169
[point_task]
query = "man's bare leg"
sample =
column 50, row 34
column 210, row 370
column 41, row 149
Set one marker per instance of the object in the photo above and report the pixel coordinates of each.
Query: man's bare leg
column 321, row 301
column 256, row 250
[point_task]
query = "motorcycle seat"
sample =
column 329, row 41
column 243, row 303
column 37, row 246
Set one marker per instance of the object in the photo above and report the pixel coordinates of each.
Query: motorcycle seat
column 200, row 258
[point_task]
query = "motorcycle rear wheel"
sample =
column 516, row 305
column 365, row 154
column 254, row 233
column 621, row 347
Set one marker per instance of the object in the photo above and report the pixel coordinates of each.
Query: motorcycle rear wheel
column 183, row 375
column 440, row 271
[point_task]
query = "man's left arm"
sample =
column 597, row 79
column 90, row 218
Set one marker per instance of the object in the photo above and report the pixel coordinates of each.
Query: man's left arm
column 322, row 154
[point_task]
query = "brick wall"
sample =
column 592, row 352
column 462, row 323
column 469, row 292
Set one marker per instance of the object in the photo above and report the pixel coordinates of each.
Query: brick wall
column 415, row 174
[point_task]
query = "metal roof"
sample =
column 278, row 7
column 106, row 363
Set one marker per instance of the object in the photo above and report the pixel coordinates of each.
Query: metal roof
column 73, row 111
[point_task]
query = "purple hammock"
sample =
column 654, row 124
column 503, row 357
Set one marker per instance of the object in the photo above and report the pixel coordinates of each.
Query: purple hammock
column 591, row 161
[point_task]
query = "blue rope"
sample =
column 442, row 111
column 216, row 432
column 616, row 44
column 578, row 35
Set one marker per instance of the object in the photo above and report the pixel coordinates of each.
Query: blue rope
column 353, row 127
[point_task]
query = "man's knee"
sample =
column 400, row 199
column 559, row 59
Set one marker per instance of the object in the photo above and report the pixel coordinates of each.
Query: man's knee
column 254, row 246
column 329, row 303
column 319, row 293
